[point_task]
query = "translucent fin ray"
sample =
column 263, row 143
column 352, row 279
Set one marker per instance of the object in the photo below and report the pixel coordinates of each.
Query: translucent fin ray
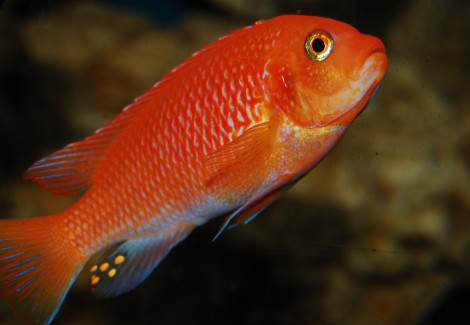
column 34, row 275
column 238, row 158
column 72, row 169
column 252, row 208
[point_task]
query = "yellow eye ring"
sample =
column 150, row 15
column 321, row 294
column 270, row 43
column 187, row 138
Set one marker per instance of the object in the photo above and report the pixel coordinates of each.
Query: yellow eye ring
column 318, row 45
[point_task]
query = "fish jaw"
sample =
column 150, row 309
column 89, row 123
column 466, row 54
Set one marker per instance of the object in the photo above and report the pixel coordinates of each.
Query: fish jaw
column 364, row 88
column 318, row 110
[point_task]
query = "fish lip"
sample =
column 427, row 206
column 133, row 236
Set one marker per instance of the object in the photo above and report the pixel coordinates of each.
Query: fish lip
column 377, row 57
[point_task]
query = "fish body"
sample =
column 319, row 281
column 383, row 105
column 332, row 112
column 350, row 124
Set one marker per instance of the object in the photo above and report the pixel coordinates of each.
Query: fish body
column 226, row 132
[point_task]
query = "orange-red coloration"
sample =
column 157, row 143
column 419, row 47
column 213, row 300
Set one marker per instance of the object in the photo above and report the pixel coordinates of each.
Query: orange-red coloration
column 230, row 129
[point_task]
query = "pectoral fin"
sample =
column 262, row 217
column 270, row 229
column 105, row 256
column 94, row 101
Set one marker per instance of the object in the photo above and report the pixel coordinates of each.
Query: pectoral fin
column 243, row 157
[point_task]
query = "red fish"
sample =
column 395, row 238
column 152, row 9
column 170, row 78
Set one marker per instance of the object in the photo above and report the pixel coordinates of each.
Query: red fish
column 226, row 132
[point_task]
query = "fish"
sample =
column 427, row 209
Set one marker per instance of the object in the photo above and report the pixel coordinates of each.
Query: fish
column 225, row 133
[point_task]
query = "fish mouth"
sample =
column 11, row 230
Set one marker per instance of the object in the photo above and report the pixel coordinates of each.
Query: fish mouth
column 342, row 107
column 364, row 85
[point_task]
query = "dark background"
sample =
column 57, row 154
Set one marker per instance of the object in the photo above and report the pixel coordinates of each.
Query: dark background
column 378, row 233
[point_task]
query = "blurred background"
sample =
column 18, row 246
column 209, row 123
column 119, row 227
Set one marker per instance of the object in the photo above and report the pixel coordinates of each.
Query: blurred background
column 378, row 233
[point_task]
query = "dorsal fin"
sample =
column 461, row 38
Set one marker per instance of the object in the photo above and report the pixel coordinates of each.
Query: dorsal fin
column 72, row 169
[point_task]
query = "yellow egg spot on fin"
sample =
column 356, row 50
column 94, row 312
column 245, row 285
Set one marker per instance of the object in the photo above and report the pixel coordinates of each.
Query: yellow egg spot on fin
column 133, row 260
column 112, row 273
column 93, row 268
column 95, row 280
column 104, row 267
column 119, row 259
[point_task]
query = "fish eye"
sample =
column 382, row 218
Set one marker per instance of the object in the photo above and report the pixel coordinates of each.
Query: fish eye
column 318, row 45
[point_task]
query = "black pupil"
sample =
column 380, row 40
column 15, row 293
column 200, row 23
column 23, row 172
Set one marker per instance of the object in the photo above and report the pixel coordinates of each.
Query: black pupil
column 318, row 45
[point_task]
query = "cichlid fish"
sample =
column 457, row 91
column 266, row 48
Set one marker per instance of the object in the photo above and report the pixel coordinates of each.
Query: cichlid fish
column 228, row 131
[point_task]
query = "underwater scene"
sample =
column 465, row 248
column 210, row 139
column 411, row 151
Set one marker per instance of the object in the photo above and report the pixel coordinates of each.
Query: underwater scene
column 377, row 233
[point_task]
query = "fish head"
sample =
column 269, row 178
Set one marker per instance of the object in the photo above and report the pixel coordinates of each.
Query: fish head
column 323, row 71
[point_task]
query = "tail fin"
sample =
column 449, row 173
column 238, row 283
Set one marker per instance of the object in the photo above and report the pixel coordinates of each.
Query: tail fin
column 35, row 274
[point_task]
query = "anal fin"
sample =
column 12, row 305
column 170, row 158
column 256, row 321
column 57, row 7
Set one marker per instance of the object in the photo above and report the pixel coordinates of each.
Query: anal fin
column 132, row 262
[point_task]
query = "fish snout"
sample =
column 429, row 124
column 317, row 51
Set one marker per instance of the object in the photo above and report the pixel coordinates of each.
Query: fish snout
column 373, row 59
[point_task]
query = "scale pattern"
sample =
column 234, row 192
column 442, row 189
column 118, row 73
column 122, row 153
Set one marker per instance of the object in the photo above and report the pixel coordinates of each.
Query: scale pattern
column 228, row 130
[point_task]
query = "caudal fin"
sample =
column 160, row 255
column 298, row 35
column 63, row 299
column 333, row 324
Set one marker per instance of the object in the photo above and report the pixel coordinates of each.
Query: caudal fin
column 35, row 274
